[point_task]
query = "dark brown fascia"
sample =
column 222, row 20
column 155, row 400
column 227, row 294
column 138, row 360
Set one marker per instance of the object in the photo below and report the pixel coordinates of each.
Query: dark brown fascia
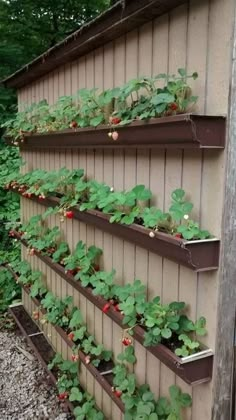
column 116, row 21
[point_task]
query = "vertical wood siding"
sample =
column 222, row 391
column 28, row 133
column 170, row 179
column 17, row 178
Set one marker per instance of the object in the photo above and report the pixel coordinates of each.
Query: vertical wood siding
column 196, row 36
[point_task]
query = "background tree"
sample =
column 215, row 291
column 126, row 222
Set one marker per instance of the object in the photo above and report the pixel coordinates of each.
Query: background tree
column 29, row 27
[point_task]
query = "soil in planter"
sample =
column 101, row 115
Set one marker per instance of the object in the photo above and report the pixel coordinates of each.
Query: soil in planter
column 29, row 326
column 43, row 348
column 172, row 344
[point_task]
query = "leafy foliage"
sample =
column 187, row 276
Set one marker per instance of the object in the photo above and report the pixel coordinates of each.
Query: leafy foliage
column 69, row 386
column 138, row 400
column 118, row 106
column 9, row 291
column 163, row 323
column 125, row 207
column 9, row 211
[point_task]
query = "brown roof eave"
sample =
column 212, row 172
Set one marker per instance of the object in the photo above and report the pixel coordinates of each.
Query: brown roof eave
column 111, row 24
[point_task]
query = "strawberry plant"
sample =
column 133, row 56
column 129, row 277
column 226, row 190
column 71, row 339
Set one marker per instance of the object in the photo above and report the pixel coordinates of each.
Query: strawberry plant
column 102, row 283
column 57, row 309
column 61, row 253
column 82, row 261
column 162, row 323
column 127, row 355
column 142, row 98
column 69, row 387
column 124, row 207
column 140, row 402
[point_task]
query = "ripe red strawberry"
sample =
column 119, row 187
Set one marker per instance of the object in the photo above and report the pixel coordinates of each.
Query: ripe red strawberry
column 117, row 308
column 118, row 393
column 42, row 197
column 96, row 267
column 11, row 234
column 74, row 357
column 114, row 120
column 63, row 396
column 71, row 336
column 126, row 341
column 178, row 235
column 73, row 124
column 69, row 214
column 70, row 272
column 106, row 308
column 173, row 106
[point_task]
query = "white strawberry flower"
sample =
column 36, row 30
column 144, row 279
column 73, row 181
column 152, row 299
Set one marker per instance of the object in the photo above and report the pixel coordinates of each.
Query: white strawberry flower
column 186, row 216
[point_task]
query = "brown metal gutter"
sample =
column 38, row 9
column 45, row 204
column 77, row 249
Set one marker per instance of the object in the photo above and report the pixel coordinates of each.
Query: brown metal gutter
column 194, row 372
column 202, row 255
column 105, row 380
column 123, row 17
column 190, row 131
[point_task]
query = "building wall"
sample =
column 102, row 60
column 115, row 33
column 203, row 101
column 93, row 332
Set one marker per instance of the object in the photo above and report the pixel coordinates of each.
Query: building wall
column 197, row 36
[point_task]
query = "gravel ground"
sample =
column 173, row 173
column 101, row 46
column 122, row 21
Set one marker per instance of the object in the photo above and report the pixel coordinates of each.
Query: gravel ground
column 25, row 392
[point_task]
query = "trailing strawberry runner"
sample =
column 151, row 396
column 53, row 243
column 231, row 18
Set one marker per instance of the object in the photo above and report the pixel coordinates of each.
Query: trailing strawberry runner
column 164, row 329
column 137, row 400
column 125, row 214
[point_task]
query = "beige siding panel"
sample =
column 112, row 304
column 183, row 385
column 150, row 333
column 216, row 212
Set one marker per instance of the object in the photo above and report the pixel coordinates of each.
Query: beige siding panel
column 74, row 77
column 219, row 48
column 198, row 36
column 131, row 55
column 55, row 86
column 98, row 318
column 89, row 63
column 198, row 42
column 160, row 45
column 50, row 90
column 98, row 234
column 145, row 49
column 173, row 170
column 61, row 82
column 119, row 61
column 108, row 406
column 68, row 73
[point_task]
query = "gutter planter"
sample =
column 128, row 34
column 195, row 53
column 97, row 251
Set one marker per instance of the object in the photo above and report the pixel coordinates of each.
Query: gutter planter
column 190, row 131
column 194, row 369
column 103, row 374
column 35, row 337
column 200, row 255
column 37, row 341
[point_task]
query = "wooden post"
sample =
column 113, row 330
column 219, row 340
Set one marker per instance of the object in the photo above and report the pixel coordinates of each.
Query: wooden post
column 223, row 376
